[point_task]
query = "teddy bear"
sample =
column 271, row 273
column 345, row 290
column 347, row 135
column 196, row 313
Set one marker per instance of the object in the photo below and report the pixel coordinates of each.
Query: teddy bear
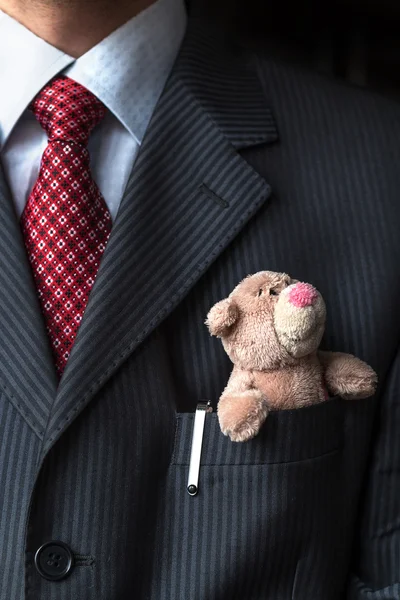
column 271, row 327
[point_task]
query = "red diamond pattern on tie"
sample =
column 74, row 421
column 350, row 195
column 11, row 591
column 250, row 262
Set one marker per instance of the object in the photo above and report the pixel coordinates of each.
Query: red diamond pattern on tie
column 66, row 223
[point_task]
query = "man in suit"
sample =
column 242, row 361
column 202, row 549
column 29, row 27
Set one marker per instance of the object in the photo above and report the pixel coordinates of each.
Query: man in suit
column 148, row 164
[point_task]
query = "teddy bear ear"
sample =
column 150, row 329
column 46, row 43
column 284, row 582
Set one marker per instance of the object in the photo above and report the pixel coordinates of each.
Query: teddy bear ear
column 222, row 316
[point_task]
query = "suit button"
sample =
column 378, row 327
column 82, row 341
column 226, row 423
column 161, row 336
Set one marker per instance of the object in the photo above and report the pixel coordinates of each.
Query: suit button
column 54, row 560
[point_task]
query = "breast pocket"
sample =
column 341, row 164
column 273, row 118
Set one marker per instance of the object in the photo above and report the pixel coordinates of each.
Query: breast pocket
column 286, row 436
column 260, row 504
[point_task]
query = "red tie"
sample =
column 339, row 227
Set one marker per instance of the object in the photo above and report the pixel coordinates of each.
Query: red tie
column 66, row 223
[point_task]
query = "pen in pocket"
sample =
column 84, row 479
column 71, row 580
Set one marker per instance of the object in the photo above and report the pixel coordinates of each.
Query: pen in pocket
column 197, row 440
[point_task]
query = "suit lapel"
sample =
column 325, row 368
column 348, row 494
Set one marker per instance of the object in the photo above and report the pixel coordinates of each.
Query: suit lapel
column 27, row 374
column 188, row 196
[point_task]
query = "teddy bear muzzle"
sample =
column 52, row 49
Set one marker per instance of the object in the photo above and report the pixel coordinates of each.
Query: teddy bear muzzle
column 299, row 319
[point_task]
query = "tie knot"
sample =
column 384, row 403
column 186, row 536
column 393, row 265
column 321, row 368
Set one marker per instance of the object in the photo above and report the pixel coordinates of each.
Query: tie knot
column 67, row 110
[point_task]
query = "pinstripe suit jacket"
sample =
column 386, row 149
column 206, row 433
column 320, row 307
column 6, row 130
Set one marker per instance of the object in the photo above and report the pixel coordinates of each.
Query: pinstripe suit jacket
column 248, row 164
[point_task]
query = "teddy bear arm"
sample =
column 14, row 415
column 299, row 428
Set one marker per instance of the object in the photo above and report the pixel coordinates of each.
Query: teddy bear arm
column 240, row 381
column 347, row 376
column 241, row 408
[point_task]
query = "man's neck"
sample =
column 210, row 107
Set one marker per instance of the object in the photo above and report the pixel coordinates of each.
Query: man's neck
column 73, row 26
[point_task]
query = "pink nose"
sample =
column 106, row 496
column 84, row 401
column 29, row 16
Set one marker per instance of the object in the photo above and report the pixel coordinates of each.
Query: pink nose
column 302, row 295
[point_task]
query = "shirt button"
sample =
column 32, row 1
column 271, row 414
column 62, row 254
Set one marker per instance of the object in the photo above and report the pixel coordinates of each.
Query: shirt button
column 54, row 560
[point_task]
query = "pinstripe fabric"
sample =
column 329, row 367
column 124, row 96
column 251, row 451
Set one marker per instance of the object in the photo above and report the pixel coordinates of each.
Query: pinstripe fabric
column 26, row 372
column 276, row 518
column 112, row 481
column 231, row 543
column 377, row 574
column 19, row 451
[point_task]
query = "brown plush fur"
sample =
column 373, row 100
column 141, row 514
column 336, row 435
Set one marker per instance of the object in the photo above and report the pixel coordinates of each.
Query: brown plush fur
column 271, row 327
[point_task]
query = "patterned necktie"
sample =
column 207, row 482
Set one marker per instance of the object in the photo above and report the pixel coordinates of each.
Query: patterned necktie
column 66, row 223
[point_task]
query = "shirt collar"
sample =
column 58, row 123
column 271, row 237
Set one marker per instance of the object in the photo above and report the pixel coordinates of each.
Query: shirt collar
column 126, row 71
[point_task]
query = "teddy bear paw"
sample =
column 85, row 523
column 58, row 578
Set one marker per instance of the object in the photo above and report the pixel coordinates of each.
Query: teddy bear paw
column 241, row 415
column 361, row 387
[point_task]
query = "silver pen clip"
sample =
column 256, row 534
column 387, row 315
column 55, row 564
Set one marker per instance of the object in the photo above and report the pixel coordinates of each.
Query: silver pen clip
column 197, row 440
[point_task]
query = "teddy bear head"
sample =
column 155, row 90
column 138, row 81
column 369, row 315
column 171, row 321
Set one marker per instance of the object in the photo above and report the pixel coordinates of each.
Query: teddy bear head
column 268, row 321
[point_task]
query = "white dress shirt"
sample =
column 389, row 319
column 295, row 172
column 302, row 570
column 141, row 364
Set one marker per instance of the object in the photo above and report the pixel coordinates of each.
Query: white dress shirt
column 126, row 71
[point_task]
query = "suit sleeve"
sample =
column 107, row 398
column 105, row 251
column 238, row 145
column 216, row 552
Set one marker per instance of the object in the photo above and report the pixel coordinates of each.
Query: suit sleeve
column 376, row 568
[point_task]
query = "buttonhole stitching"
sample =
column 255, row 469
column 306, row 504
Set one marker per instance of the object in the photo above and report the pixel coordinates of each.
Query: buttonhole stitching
column 221, row 201
column 84, row 560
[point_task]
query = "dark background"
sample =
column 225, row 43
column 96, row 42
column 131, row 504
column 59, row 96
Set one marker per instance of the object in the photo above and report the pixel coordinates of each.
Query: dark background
column 355, row 40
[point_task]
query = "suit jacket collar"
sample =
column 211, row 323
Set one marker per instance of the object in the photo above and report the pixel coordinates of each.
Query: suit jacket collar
column 27, row 373
column 222, row 78
column 188, row 196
